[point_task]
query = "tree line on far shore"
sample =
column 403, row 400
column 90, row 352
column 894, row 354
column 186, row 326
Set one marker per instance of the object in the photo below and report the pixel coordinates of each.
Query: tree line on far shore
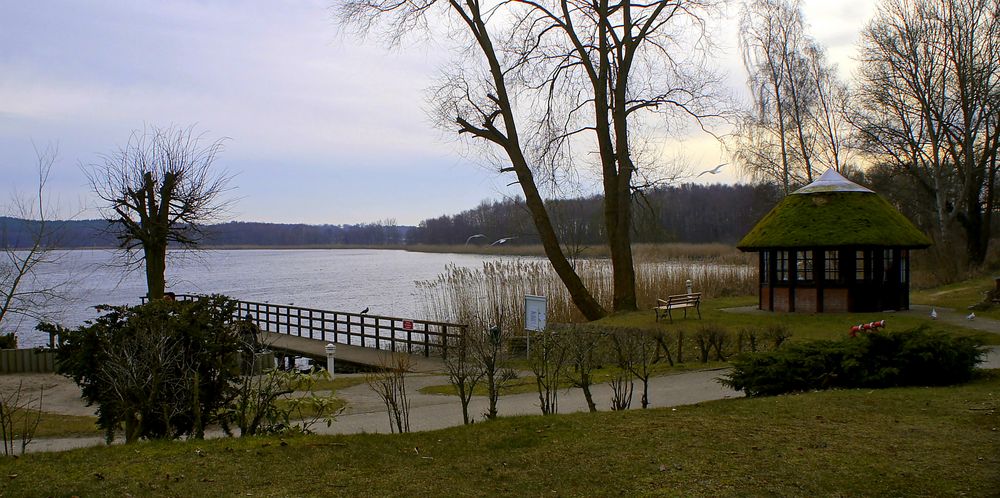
column 685, row 213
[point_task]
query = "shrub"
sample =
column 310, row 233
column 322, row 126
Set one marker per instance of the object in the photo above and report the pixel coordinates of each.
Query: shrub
column 161, row 370
column 8, row 341
column 919, row 357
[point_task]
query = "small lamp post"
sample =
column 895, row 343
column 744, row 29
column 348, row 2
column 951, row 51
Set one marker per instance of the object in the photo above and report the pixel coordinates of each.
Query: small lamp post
column 331, row 352
column 688, row 284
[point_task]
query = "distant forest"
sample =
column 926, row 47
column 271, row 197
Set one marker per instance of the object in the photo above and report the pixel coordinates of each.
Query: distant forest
column 685, row 213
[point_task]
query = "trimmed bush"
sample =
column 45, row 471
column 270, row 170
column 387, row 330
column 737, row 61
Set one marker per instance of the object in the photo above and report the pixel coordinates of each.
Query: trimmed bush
column 162, row 370
column 918, row 357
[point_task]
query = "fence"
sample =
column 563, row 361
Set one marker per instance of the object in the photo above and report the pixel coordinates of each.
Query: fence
column 27, row 361
column 356, row 329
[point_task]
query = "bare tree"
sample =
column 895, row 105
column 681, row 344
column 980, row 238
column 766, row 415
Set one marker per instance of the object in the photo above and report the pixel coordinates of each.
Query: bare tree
column 158, row 191
column 796, row 123
column 464, row 372
column 490, row 350
column 20, row 413
column 636, row 351
column 585, row 347
column 26, row 248
column 389, row 383
column 544, row 78
column 547, row 360
column 929, row 106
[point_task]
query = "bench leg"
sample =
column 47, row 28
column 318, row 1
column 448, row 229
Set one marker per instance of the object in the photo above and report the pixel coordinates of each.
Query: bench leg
column 698, row 308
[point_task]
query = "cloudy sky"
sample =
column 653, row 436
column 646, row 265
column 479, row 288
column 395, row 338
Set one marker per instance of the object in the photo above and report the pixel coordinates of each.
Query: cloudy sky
column 321, row 127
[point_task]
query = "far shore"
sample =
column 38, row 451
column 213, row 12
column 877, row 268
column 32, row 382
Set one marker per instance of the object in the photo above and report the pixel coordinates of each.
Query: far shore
column 663, row 250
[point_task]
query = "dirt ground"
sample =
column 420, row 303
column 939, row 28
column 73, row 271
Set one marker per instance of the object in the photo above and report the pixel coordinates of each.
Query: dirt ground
column 58, row 394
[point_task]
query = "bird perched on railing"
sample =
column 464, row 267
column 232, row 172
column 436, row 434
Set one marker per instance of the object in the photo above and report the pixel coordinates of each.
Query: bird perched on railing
column 364, row 310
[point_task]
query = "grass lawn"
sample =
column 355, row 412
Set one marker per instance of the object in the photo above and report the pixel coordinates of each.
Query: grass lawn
column 804, row 326
column 526, row 383
column 959, row 296
column 892, row 442
column 53, row 425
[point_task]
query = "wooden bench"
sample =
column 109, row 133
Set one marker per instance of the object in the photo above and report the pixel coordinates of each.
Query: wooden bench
column 679, row 301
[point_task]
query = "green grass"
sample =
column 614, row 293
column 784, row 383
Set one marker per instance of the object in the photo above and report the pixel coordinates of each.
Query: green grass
column 959, row 296
column 526, row 383
column 804, row 326
column 337, row 383
column 893, row 442
column 53, row 425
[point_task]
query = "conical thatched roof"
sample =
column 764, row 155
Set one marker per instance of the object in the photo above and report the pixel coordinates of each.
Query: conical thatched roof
column 833, row 212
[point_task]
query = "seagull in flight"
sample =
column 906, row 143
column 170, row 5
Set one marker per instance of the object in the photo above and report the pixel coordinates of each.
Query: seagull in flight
column 476, row 236
column 503, row 241
column 713, row 171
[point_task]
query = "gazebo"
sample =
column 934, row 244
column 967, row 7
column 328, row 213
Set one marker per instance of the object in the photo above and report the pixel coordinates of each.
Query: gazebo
column 831, row 246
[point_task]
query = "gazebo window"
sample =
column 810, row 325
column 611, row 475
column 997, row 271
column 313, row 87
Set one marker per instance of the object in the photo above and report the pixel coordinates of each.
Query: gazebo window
column 887, row 264
column 831, row 265
column 804, row 266
column 904, row 264
column 781, row 266
column 860, row 271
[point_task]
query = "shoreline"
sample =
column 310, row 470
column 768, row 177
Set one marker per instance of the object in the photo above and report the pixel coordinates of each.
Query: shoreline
column 672, row 250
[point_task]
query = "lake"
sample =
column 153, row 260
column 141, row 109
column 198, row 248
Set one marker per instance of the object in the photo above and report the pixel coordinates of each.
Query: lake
column 347, row 280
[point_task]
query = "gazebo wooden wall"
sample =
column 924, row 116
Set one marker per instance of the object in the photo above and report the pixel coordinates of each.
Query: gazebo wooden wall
column 834, row 279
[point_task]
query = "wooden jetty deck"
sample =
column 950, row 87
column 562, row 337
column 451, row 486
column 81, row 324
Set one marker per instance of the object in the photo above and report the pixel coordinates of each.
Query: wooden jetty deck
column 361, row 339
column 356, row 355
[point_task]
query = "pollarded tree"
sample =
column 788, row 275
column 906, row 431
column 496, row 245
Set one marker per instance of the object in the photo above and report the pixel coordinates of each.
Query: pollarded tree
column 158, row 191
column 547, row 83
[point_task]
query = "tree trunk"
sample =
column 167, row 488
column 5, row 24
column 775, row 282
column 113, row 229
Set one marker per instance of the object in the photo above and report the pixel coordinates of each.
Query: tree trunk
column 156, row 265
column 578, row 292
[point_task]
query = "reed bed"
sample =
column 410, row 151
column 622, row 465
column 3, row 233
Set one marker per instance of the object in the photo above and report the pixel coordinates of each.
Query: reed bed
column 494, row 294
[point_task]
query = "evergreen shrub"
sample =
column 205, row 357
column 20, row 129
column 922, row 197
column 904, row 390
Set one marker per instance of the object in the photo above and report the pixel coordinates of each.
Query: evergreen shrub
column 918, row 357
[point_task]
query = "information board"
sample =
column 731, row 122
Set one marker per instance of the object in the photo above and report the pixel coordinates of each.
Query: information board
column 534, row 312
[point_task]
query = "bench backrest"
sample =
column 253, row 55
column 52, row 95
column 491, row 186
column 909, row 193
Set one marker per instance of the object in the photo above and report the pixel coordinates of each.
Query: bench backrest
column 684, row 298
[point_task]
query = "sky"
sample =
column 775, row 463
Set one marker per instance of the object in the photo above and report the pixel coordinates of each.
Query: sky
column 320, row 126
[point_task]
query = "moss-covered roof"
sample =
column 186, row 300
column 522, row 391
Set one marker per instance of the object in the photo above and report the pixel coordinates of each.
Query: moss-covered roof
column 833, row 219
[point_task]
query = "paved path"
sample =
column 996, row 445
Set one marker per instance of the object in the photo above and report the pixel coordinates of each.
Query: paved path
column 365, row 412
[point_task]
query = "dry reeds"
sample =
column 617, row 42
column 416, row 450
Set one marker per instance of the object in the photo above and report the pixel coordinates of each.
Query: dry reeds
column 494, row 294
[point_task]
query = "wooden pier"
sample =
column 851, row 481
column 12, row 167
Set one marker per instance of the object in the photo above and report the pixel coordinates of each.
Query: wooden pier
column 361, row 339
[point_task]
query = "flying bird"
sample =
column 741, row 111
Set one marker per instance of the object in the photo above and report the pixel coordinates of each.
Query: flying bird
column 503, row 241
column 365, row 310
column 713, row 171
column 933, row 314
column 476, row 236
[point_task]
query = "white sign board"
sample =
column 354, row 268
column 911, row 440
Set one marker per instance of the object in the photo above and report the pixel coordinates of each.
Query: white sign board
column 534, row 312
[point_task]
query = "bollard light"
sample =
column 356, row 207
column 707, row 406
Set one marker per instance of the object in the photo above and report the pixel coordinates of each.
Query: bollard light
column 688, row 283
column 331, row 352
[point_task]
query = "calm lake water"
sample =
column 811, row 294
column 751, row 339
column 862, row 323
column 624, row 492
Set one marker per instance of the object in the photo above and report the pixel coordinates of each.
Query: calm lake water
column 333, row 279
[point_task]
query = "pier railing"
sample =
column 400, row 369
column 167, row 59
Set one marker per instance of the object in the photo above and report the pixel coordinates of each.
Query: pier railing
column 404, row 335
